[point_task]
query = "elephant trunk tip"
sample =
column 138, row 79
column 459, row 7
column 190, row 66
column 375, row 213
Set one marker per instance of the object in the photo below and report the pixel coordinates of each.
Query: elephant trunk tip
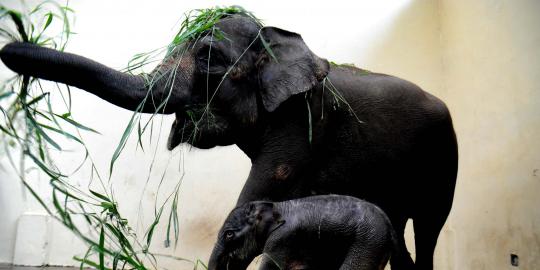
column 21, row 57
column 8, row 53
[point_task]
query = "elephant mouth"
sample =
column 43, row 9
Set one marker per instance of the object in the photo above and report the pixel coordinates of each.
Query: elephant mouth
column 184, row 127
column 201, row 126
column 176, row 135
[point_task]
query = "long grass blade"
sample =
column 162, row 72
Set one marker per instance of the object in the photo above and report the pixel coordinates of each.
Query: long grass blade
column 102, row 247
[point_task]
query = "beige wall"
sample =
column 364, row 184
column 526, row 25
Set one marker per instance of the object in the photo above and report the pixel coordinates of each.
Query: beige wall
column 491, row 68
column 481, row 57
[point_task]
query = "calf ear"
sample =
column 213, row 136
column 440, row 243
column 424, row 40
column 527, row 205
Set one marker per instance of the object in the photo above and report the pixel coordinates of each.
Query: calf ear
column 264, row 216
column 260, row 208
column 289, row 67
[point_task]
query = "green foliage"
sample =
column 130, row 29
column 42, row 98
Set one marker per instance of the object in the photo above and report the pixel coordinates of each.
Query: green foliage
column 199, row 21
column 32, row 126
column 33, row 26
column 196, row 24
column 352, row 67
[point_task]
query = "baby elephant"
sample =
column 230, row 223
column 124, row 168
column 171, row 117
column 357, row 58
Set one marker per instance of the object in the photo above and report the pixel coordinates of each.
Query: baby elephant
column 320, row 232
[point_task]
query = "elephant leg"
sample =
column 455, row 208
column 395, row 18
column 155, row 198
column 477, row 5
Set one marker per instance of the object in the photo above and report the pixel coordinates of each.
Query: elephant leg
column 269, row 263
column 430, row 219
column 361, row 258
column 426, row 232
column 402, row 260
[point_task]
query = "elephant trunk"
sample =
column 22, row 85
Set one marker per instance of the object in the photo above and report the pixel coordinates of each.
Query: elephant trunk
column 217, row 259
column 221, row 259
column 124, row 90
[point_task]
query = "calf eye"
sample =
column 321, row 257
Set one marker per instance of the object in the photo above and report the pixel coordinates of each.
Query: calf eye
column 229, row 235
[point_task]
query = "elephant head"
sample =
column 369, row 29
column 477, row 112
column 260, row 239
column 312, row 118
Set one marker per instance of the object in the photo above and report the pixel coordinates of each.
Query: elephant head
column 243, row 235
column 217, row 87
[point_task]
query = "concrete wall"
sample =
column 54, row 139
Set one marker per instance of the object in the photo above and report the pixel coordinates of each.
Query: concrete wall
column 481, row 58
column 491, row 68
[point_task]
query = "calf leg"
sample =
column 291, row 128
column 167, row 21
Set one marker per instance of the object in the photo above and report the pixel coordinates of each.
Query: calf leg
column 361, row 257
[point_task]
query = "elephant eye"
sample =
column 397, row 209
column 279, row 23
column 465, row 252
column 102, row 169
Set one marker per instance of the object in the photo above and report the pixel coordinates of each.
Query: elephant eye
column 210, row 59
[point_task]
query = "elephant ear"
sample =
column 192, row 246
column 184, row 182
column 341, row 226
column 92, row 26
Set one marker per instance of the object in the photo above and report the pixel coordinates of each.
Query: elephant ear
column 290, row 69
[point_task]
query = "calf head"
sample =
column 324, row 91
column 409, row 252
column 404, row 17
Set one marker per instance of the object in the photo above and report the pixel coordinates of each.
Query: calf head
column 243, row 235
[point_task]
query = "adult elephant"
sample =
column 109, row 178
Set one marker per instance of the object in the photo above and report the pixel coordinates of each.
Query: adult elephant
column 308, row 127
